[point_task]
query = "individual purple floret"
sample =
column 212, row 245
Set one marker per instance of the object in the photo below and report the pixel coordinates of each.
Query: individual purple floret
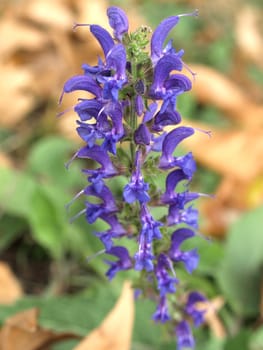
column 162, row 314
column 159, row 36
column 137, row 188
column 166, row 282
column 131, row 128
column 124, row 262
column 189, row 258
column 118, row 21
column 185, row 337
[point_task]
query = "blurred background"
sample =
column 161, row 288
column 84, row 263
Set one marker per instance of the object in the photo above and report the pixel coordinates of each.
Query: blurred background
column 43, row 257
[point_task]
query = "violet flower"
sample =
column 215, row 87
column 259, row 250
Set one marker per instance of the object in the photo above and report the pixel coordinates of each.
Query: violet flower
column 137, row 188
column 185, row 337
column 123, row 125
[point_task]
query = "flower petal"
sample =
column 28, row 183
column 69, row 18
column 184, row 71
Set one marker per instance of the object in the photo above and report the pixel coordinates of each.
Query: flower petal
column 142, row 135
column 148, row 115
column 116, row 60
column 161, row 72
column 83, row 82
column 184, row 335
column 178, row 82
column 118, row 21
column 124, row 262
column 100, row 156
column 86, row 109
column 159, row 36
column 103, row 37
column 171, row 141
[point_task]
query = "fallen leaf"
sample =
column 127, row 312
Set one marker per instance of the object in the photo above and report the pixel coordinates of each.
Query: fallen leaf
column 22, row 331
column 5, row 160
column 20, row 37
column 49, row 13
column 17, row 89
column 213, row 88
column 116, row 330
column 248, row 37
column 213, row 321
column 235, row 153
column 10, row 288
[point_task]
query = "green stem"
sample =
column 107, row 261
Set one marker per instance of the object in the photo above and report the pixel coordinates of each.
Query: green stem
column 133, row 116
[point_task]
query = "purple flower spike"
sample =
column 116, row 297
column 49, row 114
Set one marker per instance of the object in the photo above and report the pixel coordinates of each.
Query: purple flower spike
column 124, row 262
column 191, row 309
column 161, row 314
column 103, row 37
column 171, row 141
column 159, row 36
column 184, row 335
column 118, row 21
column 134, row 97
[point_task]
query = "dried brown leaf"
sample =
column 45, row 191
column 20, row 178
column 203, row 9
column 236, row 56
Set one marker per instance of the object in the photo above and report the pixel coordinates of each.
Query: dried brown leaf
column 19, row 36
column 115, row 331
column 49, row 13
column 16, row 99
column 5, row 160
column 235, row 153
column 22, row 331
column 10, row 288
column 215, row 324
column 212, row 87
column 248, row 36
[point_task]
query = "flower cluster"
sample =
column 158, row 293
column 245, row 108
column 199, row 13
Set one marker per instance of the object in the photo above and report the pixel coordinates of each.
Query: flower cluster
column 124, row 127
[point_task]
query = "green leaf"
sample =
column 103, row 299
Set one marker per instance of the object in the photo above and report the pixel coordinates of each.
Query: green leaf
column 65, row 345
column 77, row 314
column 256, row 340
column 240, row 272
column 47, row 160
column 16, row 190
column 239, row 341
column 146, row 333
column 48, row 227
column 210, row 343
column 10, row 229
